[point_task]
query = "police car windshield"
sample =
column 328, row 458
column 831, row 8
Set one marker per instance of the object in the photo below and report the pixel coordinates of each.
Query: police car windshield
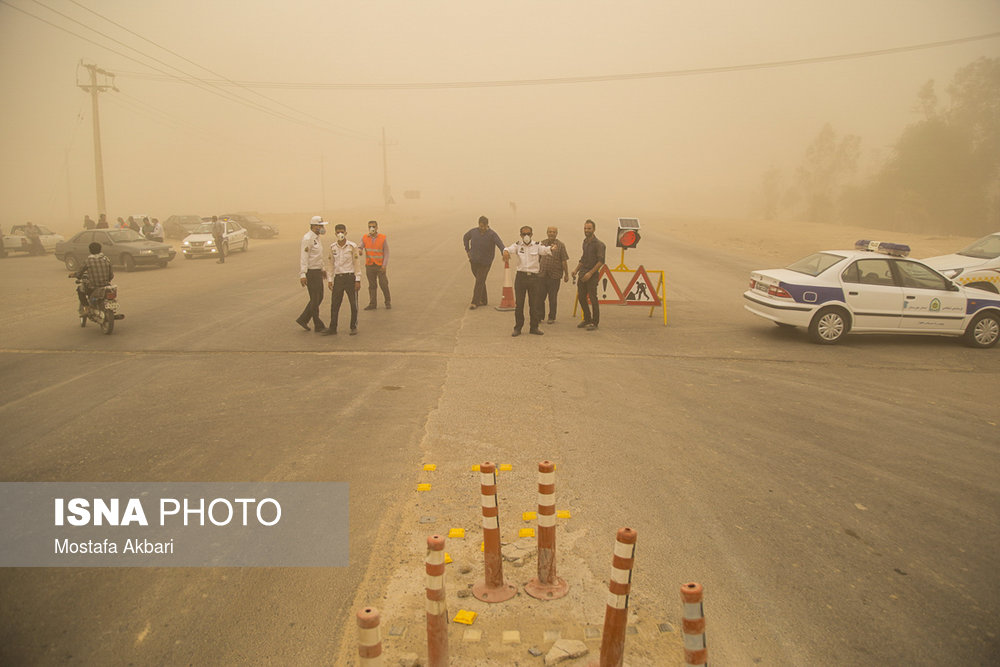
column 987, row 247
column 813, row 265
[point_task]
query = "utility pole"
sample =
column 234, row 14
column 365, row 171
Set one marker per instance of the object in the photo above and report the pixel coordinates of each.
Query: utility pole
column 386, row 190
column 93, row 88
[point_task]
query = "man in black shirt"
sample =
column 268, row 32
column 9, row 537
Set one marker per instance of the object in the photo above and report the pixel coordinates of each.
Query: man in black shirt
column 586, row 287
column 480, row 243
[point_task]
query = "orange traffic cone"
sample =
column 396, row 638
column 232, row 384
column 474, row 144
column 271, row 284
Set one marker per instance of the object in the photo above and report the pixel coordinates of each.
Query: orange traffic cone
column 507, row 299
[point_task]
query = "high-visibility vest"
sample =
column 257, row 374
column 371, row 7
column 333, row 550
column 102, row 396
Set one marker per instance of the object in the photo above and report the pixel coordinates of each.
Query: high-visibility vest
column 373, row 249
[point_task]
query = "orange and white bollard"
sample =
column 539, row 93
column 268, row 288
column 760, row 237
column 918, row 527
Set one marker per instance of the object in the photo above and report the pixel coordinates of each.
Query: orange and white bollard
column 437, row 611
column 507, row 297
column 546, row 586
column 492, row 588
column 616, row 613
column 369, row 641
column 695, row 649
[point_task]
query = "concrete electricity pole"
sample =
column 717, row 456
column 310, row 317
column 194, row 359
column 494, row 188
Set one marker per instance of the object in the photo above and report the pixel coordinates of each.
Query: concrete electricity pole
column 386, row 190
column 108, row 83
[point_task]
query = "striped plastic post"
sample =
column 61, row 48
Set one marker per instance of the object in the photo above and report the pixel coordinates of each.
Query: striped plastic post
column 507, row 296
column 437, row 611
column 546, row 586
column 616, row 613
column 695, row 649
column 492, row 588
column 369, row 641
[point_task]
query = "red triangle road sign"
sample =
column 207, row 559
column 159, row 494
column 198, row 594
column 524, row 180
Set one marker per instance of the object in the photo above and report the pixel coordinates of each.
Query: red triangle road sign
column 640, row 290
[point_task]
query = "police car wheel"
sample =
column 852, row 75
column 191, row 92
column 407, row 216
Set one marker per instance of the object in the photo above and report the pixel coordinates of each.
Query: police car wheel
column 828, row 326
column 983, row 331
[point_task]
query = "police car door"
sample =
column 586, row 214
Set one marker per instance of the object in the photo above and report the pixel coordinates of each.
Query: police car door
column 931, row 302
column 871, row 291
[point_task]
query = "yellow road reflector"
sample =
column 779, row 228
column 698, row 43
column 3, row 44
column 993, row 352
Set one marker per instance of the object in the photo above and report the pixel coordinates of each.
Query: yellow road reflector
column 456, row 532
column 529, row 516
column 506, row 466
column 465, row 617
column 526, row 532
column 430, row 467
column 447, row 558
column 562, row 514
column 423, row 487
column 482, row 546
column 475, row 468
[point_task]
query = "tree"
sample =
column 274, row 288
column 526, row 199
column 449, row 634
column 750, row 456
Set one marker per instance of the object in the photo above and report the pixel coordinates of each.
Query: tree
column 825, row 170
column 944, row 170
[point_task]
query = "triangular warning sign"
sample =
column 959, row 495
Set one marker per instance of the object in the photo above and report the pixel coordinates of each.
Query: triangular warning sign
column 607, row 287
column 640, row 291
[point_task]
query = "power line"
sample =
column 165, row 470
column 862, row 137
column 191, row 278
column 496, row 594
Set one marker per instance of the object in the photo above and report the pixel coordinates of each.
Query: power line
column 221, row 77
column 594, row 78
column 203, row 84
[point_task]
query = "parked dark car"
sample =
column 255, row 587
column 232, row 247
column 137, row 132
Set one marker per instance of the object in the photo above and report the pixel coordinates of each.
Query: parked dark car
column 123, row 247
column 257, row 228
column 179, row 226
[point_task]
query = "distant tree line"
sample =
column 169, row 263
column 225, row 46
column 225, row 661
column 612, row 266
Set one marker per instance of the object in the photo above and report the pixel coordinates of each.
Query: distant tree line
column 941, row 175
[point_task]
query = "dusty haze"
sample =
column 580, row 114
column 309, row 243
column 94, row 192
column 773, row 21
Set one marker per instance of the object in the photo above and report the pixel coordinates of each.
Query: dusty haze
column 691, row 145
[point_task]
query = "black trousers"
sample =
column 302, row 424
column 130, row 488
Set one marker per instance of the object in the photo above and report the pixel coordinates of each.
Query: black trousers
column 377, row 279
column 314, row 283
column 343, row 283
column 218, row 245
column 532, row 286
column 551, row 295
column 480, row 271
column 585, row 288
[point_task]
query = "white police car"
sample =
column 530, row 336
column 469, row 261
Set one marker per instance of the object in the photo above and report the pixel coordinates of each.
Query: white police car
column 872, row 289
column 975, row 266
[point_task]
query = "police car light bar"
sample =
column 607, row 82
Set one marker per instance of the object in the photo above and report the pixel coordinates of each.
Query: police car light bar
column 893, row 249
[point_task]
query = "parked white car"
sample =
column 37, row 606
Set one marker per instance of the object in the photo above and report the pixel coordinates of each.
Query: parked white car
column 16, row 240
column 975, row 266
column 201, row 243
column 874, row 288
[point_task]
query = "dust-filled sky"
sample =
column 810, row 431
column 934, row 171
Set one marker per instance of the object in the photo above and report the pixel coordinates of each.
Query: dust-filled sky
column 690, row 144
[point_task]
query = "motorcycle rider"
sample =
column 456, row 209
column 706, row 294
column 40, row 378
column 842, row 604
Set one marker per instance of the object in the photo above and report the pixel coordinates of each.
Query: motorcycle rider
column 95, row 272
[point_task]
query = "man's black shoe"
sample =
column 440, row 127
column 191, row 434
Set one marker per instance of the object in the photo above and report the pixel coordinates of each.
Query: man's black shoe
column 354, row 332
column 517, row 332
column 329, row 332
column 371, row 306
column 591, row 327
column 388, row 306
column 583, row 325
column 302, row 324
column 537, row 332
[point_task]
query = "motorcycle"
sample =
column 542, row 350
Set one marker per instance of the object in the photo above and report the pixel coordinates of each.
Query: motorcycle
column 102, row 307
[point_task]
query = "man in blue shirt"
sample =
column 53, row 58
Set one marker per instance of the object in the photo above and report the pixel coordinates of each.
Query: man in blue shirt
column 480, row 244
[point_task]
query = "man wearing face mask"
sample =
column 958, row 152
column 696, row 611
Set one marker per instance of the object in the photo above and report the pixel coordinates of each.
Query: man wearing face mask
column 311, row 273
column 528, row 281
column 590, row 263
column 344, row 276
column 376, row 249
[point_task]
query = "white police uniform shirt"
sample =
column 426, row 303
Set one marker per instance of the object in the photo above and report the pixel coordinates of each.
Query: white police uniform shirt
column 527, row 255
column 310, row 253
column 343, row 259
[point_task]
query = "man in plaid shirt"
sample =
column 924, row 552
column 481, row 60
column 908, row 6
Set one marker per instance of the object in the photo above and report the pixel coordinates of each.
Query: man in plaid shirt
column 95, row 272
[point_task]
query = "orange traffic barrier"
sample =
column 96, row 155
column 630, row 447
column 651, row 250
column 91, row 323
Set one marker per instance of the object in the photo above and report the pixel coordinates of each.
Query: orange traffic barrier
column 616, row 613
column 507, row 297
column 546, row 586
column 492, row 588
column 437, row 611
column 369, row 641
column 695, row 649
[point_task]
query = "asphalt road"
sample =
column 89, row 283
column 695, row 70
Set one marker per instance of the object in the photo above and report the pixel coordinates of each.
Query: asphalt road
column 841, row 505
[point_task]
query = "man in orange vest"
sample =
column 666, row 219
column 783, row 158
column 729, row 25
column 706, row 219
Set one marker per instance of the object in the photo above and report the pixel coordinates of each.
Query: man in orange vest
column 376, row 249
